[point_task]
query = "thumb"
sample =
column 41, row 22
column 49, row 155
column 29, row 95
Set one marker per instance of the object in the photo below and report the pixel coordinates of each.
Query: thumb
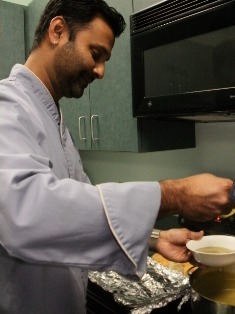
column 195, row 235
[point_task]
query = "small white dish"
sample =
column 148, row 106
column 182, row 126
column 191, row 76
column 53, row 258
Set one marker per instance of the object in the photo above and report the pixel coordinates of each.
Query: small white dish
column 219, row 250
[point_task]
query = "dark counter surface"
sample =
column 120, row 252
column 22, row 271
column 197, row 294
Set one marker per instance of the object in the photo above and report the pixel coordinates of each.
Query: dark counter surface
column 102, row 302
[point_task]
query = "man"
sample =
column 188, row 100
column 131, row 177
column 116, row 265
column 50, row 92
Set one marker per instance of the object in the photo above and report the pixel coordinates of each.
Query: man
column 55, row 225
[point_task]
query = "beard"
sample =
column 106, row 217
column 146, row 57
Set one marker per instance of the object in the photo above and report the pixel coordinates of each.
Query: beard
column 74, row 87
column 71, row 76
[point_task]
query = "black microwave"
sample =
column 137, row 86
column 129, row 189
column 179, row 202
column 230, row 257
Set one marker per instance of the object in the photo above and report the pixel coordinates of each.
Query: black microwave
column 183, row 60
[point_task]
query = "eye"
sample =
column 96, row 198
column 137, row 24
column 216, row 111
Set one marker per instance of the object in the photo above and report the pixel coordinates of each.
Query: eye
column 95, row 54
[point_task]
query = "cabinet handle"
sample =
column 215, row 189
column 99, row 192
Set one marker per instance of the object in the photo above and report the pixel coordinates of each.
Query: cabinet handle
column 92, row 129
column 82, row 138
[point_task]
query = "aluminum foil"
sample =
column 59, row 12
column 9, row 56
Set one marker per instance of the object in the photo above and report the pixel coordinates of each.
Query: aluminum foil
column 158, row 287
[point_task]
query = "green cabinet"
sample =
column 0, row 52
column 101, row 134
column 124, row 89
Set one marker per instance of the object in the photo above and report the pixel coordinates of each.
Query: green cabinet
column 32, row 16
column 110, row 98
column 12, row 43
column 77, row 117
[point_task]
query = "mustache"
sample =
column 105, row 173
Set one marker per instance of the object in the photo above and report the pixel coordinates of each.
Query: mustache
column 88, row 78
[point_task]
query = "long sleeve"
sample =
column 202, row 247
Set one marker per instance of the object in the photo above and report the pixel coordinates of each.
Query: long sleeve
column 49, row 211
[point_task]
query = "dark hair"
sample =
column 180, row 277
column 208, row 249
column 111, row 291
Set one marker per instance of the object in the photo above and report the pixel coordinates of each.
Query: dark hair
column 77, row 14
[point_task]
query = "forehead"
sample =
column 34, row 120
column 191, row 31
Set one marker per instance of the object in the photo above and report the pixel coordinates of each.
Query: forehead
column 98, row 32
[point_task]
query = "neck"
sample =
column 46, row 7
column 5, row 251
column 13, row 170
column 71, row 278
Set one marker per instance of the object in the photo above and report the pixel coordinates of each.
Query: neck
column 39, row 68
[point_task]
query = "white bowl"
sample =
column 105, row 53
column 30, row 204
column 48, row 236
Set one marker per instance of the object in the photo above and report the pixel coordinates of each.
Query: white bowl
column 213, row 259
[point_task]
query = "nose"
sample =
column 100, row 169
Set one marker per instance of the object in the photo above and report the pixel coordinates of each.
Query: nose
column 99, row 71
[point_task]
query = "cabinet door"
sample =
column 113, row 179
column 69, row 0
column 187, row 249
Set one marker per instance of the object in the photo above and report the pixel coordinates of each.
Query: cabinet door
column 33, row 13
column 77, row 117
column 110, row 98
column 12, row 44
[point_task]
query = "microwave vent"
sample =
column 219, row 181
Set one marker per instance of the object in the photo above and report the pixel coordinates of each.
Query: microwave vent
column 170, row 11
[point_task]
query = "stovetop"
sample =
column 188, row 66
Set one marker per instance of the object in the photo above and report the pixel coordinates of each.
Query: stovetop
column 217, row 226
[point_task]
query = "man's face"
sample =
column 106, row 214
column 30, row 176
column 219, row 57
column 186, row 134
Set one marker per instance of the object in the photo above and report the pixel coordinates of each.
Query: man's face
column 77, row 63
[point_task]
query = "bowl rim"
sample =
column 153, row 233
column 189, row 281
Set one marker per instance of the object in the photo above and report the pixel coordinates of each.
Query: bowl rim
column 209, row 253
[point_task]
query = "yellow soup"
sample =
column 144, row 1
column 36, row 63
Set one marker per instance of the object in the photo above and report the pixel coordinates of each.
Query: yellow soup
column 214, row 249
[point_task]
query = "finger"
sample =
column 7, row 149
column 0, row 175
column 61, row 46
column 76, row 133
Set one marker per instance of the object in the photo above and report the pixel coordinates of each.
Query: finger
column 195, row 235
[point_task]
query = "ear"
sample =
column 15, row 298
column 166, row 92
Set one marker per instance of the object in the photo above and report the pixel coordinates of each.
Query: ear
column 58, row 30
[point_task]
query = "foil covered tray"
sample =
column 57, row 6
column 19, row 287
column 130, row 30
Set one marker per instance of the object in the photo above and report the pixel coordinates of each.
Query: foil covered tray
column 158, row 287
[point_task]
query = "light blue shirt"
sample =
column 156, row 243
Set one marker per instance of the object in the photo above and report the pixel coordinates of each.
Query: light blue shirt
column 55, row 225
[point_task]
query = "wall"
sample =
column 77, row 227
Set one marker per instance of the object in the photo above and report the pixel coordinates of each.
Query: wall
column 214, row 152
column 22, row 2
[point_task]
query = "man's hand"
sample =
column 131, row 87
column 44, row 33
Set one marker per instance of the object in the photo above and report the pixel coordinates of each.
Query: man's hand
column 201, row 197
column 171, row 244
